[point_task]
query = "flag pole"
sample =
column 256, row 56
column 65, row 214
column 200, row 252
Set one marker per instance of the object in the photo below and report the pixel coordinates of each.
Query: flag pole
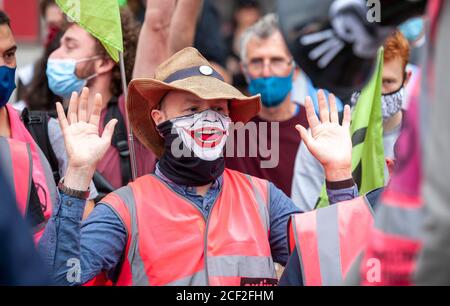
column 130, row 129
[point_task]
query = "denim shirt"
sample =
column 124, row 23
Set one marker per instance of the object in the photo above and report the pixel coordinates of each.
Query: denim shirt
column 77, row 251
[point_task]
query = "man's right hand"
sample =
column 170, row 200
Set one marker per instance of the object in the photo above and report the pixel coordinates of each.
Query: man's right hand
column 84, row 146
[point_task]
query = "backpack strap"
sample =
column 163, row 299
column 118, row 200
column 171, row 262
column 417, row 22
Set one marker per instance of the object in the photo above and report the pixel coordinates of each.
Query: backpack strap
column 36, row 123
column 119, row 139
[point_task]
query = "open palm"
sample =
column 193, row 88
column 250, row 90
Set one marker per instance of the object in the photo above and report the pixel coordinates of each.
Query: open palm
column 84, row 146
column 329, row 142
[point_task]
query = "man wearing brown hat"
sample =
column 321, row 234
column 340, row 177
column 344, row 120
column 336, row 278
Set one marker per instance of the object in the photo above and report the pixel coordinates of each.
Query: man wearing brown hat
column 192, row 222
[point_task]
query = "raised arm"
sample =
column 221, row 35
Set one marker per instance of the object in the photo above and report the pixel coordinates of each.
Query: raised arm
column 184, row 24
column 153, row 44
column 169, row 26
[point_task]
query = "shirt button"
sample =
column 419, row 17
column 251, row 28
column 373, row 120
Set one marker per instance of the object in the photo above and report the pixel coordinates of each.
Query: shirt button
column 207, row 207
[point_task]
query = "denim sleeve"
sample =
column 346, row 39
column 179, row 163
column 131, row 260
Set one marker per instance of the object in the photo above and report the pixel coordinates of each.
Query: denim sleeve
column 280, row 209
column 340, row 195
column 77, row 251
column 292, row 275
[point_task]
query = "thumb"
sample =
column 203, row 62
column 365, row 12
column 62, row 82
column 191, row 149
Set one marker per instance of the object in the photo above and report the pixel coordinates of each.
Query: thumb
column 306, row 137
column 109, row 130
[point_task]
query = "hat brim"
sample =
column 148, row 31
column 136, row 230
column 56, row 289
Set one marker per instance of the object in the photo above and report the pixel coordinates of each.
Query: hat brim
column 144, row 95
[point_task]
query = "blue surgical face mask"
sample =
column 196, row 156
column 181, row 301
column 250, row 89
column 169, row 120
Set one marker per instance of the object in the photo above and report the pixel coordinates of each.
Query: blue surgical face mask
column 62, row 79
column 273, row 90
column 7, row 83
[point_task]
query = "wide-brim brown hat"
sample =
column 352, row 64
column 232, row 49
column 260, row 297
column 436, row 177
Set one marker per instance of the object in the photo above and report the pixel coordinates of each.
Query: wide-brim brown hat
column 188, row 71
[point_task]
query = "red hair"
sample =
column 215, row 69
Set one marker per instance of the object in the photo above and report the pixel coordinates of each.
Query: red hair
column 396, row 46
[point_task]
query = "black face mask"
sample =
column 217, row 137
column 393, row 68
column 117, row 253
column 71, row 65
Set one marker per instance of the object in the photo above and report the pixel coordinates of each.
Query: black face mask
column 187, row 169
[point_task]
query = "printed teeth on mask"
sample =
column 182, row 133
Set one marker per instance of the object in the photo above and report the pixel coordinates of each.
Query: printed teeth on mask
column 204, row 135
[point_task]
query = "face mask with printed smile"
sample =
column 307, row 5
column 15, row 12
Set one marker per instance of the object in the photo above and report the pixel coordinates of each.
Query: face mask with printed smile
column 194, row 144
column 203, row 133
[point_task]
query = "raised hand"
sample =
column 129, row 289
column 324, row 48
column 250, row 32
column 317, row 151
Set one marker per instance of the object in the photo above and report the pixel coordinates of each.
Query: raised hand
column 329, row 142
column 84, row 146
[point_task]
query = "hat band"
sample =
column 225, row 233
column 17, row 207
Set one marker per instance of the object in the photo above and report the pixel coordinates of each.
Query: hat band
column 193, row 71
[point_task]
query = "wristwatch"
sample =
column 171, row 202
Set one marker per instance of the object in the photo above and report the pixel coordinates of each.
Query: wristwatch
column 79, row 194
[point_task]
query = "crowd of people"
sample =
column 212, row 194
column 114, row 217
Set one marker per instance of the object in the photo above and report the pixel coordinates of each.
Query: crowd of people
column 233, row 144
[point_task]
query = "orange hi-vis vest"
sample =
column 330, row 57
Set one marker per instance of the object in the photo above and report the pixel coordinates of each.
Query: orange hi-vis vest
column 17, row 162
column 171, row 243
column 329, row 240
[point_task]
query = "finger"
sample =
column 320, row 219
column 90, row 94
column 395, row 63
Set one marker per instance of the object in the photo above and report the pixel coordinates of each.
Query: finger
column 95, row 115
column 347, row 117
column 313, row 121
column 82, row 108
column 109, row 130
column 61, row 116
column 323, row 107
column 334, row 117
column 73, row 107
column 306, row 137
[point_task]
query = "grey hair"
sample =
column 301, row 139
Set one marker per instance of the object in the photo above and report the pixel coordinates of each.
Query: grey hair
column 263, row 29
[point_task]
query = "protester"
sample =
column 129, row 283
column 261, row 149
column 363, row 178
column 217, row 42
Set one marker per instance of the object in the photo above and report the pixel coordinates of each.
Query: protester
column 227, row 189
column 186, row 92
column 270, row 71
column 26, row 169
column 432, row 262
column 308, row 174
column 81, row 60
column 38, row 107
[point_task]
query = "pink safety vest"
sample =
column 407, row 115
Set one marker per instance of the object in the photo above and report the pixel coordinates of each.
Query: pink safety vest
column 329, row 239
column 24, row 162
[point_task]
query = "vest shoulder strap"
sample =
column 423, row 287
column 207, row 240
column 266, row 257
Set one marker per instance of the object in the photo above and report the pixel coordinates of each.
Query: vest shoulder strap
column 261, row 192
column 121, row 201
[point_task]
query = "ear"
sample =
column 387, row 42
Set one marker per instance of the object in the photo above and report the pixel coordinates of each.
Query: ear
column 407, row 78
column 105, row 65
column 157, row 116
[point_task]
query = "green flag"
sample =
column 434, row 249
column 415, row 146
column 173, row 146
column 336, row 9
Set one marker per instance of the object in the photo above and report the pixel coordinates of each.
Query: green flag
column 101, row 18
column 368, row 161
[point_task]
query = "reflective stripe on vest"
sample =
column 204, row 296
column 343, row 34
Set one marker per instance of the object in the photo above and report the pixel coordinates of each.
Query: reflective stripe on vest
column 16, row 159
column 394, row 240
column 327, row 242
column 171, row 243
